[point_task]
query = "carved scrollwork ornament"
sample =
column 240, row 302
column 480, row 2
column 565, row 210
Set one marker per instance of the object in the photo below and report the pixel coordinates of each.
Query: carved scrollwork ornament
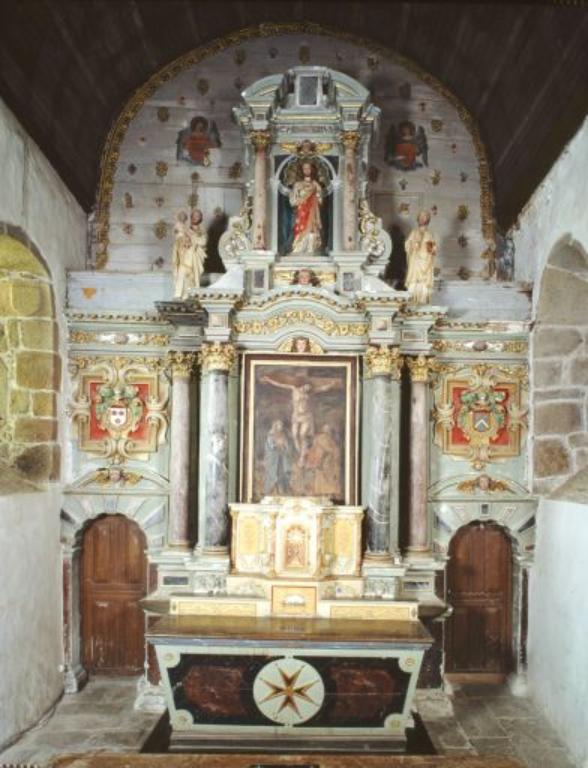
column 418, row 368
column 236, row 240
column 218, row 357
column 181, row 364
column 374, row 240
column 384, row 361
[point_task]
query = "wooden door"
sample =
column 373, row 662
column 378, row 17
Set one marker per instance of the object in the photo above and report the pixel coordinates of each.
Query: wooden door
column 114, row 570
column 479, row 579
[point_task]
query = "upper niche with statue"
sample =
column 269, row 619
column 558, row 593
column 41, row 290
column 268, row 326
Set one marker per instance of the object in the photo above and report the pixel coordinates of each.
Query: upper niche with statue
column 307, row 136
column 308, row 120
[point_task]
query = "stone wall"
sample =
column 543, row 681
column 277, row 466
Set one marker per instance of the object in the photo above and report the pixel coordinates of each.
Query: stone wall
column 39, row 212
column 30, row 369
column 560, row 356
column 551, row 243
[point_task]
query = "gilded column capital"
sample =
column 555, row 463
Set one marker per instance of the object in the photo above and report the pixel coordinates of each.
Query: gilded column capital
column 419, row 367
column 218, row 357
column 181, row 363
column 350, row 140
column 384, row 361
column 260, row 140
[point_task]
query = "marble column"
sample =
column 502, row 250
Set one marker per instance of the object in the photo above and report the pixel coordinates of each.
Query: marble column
column 350, row 140
column 383, row 366
column 260, row 141
column 217, row 361
column 181, row 365
column 418, row 527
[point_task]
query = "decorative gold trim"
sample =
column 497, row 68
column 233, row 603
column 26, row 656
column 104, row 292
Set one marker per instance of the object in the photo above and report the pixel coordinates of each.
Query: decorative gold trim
column 480, row 345
column 218, row 357
column 118, row 338
column 299, row 317
column 182, row 364
column 112, row 146
column 383, row 361
column 120, row 317
column 418, row 368
column 305, row 148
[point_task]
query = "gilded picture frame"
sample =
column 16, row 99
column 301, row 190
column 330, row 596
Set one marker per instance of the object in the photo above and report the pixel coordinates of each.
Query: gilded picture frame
column 299, row 427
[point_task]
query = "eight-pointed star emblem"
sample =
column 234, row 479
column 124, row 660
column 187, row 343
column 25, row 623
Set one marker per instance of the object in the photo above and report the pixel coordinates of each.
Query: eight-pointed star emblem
column 289, row 691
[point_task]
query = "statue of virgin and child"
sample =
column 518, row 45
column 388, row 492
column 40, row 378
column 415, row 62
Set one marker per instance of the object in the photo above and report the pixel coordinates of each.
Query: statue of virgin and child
column 189, row 252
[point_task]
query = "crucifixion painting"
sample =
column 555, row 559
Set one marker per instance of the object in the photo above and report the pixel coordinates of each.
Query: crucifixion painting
column 298, row 427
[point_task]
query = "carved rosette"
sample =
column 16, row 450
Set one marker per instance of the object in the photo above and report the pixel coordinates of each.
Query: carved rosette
column 181, row 364
column 350, row 140
column 418, row 368
column 218, row 357
column 260, row 140
column 384, row 361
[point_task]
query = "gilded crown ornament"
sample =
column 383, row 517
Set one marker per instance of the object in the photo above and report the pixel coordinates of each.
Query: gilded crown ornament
column 218, row 357
column 418, row 367
column 384, row 361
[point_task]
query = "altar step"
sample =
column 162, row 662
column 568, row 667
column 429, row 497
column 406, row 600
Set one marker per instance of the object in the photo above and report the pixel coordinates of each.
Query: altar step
column 293, row 600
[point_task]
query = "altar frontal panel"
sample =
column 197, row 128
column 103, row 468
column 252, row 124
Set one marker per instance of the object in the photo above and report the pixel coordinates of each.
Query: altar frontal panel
column 299, row 419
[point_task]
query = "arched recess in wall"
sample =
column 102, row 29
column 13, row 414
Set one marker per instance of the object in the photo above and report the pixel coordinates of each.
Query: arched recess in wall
column 30, row 367
column 149, row 169
column 560, row 375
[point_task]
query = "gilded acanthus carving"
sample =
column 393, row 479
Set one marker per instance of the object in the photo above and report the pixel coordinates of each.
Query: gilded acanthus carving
column 300, row 317
column 119, row 406
column 478, row 413
column 181, row 363
column 383, row 361
column 218, row 357
column 418, row 368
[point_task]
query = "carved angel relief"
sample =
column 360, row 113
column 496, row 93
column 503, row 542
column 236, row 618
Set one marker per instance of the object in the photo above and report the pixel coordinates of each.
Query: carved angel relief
column 478, row 414
column 119, row 407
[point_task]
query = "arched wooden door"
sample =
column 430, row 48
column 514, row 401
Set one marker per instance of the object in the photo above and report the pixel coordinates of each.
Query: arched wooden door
column 114, row 580
column 479, row 579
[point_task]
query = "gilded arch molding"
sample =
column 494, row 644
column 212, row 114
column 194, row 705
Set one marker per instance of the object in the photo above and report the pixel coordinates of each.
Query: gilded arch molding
column 111, row 152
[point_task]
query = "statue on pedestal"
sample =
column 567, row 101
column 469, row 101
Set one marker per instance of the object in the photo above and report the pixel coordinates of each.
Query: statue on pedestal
column 306, row 199
column 188, row 253
column 421, row 249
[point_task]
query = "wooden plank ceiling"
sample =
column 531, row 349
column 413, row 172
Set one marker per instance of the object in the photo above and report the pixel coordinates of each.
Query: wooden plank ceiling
column 68, row 66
